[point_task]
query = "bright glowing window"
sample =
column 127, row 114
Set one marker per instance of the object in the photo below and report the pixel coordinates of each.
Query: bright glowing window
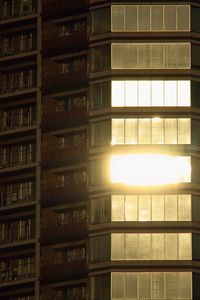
column 151, row 131
column 150, row 93
column 149, row 169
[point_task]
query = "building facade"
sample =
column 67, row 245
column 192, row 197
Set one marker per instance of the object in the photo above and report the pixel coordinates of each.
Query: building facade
column 99, row 150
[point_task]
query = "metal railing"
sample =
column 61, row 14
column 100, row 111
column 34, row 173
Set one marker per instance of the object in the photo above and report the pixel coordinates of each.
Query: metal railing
column 17, row 82
column 17, row 234
column 13, row 273
column 17, row 46
column 16, row 197
column 17, row 158
column 14, row 9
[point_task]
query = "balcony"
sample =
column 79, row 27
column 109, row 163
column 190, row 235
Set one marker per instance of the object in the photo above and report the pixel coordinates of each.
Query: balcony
column 55, row 80
column 54, row 231
column 17, row 197
column 55, row 41
column 17, row 234
column 51, row 9
column 67, row 270
column 16, row 9
column 59, row 192
column 17, row 158
column 15, row 45
column 62, row 155
column 19, row 118
column 17, row 82
column 14, row 273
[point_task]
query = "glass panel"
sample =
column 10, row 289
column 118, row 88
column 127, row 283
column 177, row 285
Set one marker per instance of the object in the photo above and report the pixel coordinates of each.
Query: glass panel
column 117, row 208
column 143, row 17
column 157, row 17
column 131, row 208
column 144, row 246
column 157, row 285
column 157, row 246
column 157, row 131
column 184, row 208
column 131, row 246
column 184, row 93
column 145, row 208
column 185, row 246
column 157, row 93
column 144, row 93
column 170, row 131
column 185, row 285
column 117, row 93
column 131, row 92
column 171, row 246
column 171, row 56
column 183, row 55
column 170, row 93
column 144, row 285
column 117, row 131
column 131, row 130
column 171, row 285
column 131, row 285
column 117, row 17
column 184, row 131
column 144, row 131
column 157, row 208
column 101, row 20
column 157, row 56
column 130, row 17
column 143, row 51
column 170, row 17
column 118, row 285
column 183, row 15
column 117, row 246
column 171, row 208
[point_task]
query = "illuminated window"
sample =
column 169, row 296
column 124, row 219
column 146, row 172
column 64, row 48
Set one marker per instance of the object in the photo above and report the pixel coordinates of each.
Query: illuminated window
column 151, row 285
column 150, row 93
column 151, row 131
column 149, row 169
column 150, row 17
column 150, row 56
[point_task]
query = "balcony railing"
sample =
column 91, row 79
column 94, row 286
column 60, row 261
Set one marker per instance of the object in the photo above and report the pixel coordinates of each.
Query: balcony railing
column 17, row 158
column 16, row 197
column 14, row 273
column 17, row 234
column 17, row 46
column 15, row 9
column 17, row 83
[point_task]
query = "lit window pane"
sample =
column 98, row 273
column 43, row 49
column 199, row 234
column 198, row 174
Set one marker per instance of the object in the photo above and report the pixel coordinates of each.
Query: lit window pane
column 185, row 285
column 117, row 17
column 117, row 208
column 144, row 131
column 157, row 56
column 130, row 17
column 131, row 131
column 171, row 246
column 171, row 285
column 117, row 246
column 117, row 131
column 157, row 208
column 157, row 93
column 145, row 208
column 184, row 131
column 144, row 246
column 184, row 93
column 131, row 248
column 185, row 246
column 131, row 93
column 170, row 17
column 171, row 56
column 184, row 207
column 144, row 93
column 157, row 285
column 144, row 285
column 144, row 17
column 170, row 93
column 118, row 285
column 183, row 60
column 171, row 207
column 131, row 286
column 131, row 208
column 157, row 131
column 118, row 93
column 144, row 56
column 157, row 17
column 158, row 246
column 183, row 14
column 171, row 131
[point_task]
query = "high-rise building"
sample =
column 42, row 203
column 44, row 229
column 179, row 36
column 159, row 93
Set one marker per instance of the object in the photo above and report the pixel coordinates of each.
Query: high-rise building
column 99, row 150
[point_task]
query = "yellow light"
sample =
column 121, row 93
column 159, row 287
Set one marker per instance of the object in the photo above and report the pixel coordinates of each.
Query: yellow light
column 149, row 169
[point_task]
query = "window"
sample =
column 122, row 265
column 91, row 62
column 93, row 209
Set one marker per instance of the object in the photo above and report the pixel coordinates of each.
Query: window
column 101, row 20
column 150, row 56
column 150, row 17
column 101, row 210
column 100, row 58
column 100, row 95
column 100, row 133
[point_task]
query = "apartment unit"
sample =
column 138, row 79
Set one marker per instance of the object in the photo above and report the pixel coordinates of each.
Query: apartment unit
column 99, row 150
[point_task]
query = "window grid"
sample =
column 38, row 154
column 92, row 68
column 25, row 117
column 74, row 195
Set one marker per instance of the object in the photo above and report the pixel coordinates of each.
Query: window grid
column 151, row 19
column 151, row 218
column 151, row 274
